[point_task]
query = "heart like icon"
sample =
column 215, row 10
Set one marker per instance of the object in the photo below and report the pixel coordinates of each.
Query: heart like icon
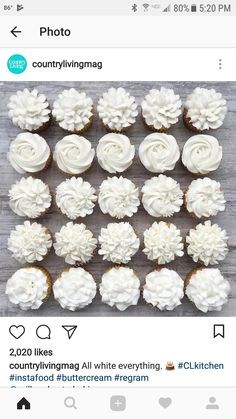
column 17, row 331
column 165, row 402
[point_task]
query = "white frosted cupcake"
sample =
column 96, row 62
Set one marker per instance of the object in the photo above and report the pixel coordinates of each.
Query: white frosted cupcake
column 117, row 109
column 115, row 153
column 74, row 289
column 29, row 287
column 29, row 110
column 29, row 153
column 207, row 243
column 73, row 155
column 118, row 242
column 204, row 109
column 162, row 196
column 159, row 152
column 30, row 197
column 207, row 289
column 163, row 242
column 204, row 198
column 120, row 288
column 202, row 154
column 163, row 289
column 30, row 242
column 75, row 243
column 161, row 109
column 73, row 110
column 118, row 197
column 75, row 198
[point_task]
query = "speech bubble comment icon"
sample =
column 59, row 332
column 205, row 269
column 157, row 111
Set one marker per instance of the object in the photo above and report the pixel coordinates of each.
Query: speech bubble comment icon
column 43, row 332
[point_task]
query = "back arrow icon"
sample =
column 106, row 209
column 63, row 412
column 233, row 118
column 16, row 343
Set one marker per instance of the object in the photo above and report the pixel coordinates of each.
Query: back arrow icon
column 14, row 31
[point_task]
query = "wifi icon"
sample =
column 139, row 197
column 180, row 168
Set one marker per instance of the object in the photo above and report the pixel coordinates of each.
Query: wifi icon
column 146, row 6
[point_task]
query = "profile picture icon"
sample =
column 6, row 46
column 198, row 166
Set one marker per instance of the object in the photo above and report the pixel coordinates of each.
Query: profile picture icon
column 17, row 64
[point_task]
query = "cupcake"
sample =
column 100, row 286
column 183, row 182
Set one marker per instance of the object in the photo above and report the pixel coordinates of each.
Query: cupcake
column 29, row 153
column 115, row 153
column 75, row 243
column 202, row 154
column 161, row 109
column 74, row 289
column 204, row 109
column 30, row 197
column 207, row 289
column 159, row 152
column 29, row 287
column 75, row 198
column 30, row 242
column 118, row 197
column 120, row 287
column 163, row 242
column 117, row 109
column 204, row 198
column 207, row 243
column 163, row 289
column 73, row 111
column 118, row 242
column 162, row 196
column 29, row 110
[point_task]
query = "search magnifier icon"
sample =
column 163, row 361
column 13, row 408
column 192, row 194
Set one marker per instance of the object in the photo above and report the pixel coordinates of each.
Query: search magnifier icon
column 70, row 402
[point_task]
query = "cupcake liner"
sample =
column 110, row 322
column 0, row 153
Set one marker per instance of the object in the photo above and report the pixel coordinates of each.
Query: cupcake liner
column 45, row 126
column 188, row 123
column 189, row 275
column 152, row 128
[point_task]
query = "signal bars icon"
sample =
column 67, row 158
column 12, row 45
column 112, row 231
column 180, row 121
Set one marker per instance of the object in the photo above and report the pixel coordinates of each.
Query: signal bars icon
column 167, row 9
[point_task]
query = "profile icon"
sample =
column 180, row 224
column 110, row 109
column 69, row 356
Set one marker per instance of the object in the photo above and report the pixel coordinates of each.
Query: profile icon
column 212, row 404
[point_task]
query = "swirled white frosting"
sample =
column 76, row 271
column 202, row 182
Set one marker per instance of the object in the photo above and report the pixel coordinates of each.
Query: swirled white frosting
column 118, row 197
column 163, row 242
column 159, row 152
column 28, row 153
column 207, row 243
column 161, row 108
column 75, row 198
column 73, row 110
column 73, row 154
column 115, row 153
column 206, row 108
column 75, row 243
column 202, row 154
column 162, row 196
column 208, row 289
column 28, row 288
column 120, row 287
column 163, row 289
column 204, row 198
column 117, row 109
column 74, row 289
column 29, row 197
column 29, row 242
column 29, row 110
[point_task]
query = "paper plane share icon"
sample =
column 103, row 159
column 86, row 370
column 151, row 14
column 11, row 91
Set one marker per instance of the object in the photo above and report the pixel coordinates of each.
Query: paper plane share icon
column 70, row 330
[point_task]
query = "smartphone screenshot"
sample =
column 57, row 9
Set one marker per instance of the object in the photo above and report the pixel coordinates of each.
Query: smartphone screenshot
column 118, row 209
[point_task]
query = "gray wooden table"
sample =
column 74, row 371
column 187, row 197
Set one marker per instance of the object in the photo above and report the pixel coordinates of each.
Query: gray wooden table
column 226, row 174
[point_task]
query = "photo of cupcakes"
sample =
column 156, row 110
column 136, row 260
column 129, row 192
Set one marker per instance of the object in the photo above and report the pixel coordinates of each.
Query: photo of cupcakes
column 30, row 197
column 207, row 243
column 29, row 153
column 161, row 109
column 163, row 289
column 162, row 196
column 30, row 242
column 120, row 287
column 118, row 197
column 204, row 110
column 117, row 109
column 202, row 154
column 74, row 289
column 75, row 198
column 115, row 153
column 29, row 110
column 73, row 110
column 29, row 287
column 207, row 289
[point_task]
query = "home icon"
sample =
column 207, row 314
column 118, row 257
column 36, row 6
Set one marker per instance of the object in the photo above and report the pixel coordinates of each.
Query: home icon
column 23, row 404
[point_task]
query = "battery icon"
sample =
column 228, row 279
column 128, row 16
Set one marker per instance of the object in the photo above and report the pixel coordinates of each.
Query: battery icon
column 193, row 8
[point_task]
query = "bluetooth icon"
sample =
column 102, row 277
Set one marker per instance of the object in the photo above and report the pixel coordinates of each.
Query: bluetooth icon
column 135, row 7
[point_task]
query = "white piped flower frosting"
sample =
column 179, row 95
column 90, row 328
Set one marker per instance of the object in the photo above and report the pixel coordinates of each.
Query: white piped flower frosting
column 120, row 288
column 118, row 242
column 207, row 243
column 163, row 289
column 202, row 154
column 162, row 196
column 117, row 109
column 115, row 153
